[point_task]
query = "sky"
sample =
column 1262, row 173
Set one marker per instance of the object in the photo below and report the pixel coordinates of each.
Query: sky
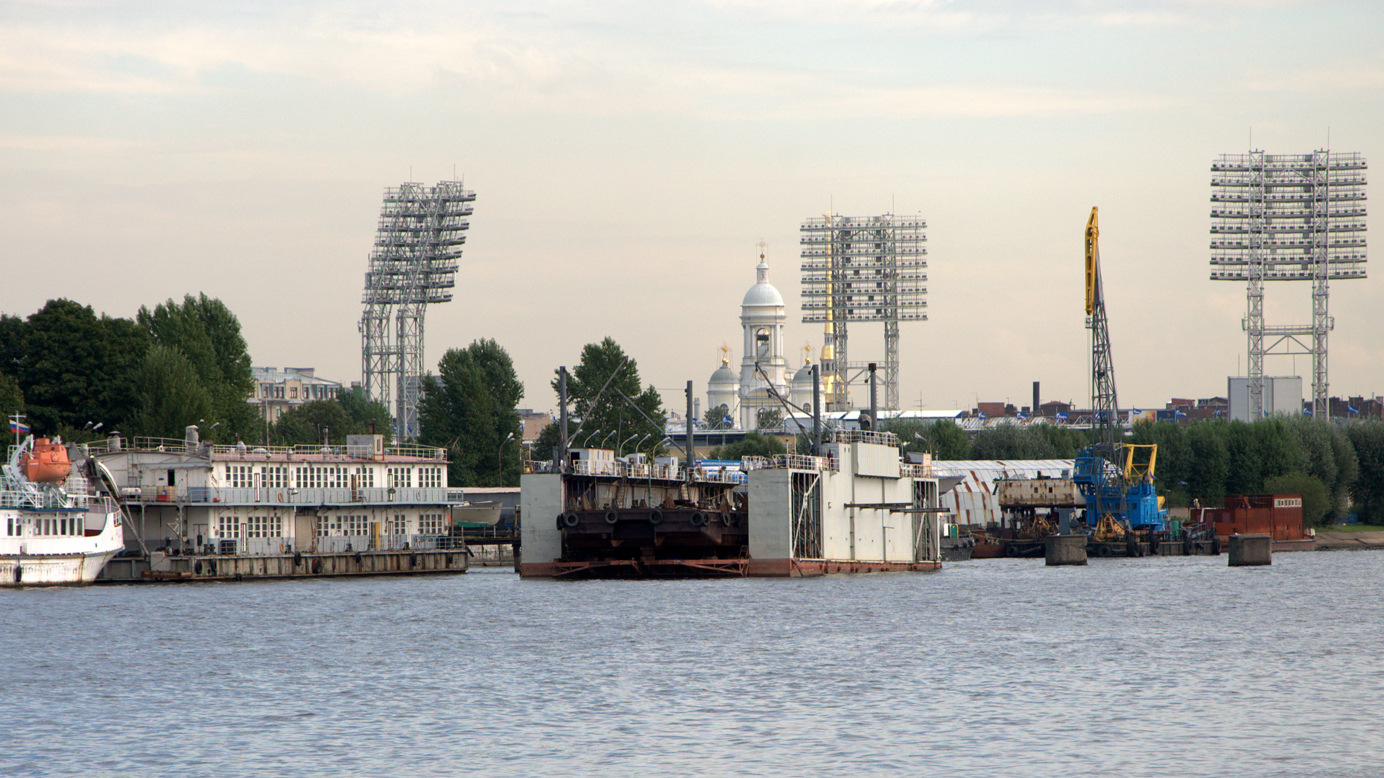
column 629, row 157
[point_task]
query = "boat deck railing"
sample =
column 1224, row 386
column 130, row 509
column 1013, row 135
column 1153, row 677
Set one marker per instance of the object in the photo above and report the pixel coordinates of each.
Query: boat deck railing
column 264, row 453
column 293, row 496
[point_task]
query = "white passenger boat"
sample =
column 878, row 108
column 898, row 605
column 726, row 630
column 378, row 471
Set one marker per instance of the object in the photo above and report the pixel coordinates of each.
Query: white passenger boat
column 54, row 528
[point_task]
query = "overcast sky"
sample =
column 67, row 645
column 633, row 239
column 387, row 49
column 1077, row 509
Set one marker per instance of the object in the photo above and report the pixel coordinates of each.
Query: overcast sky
column 628, row 157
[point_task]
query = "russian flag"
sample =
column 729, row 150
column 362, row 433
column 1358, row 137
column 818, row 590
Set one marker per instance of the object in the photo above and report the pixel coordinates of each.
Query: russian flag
column 18, row 427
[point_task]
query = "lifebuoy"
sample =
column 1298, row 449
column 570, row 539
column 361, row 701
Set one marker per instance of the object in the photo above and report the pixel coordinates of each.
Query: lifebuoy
column 655, row 516
column 611, row 517
column 297, row 558
column 699, row 519
column 728, row 519
column 570, row 519
column 281, row 495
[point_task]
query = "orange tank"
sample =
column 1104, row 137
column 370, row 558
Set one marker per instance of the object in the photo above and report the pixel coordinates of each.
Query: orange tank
column 47, row 463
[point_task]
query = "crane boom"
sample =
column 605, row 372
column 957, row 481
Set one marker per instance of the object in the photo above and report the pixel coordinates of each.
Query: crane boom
column 1104, row 403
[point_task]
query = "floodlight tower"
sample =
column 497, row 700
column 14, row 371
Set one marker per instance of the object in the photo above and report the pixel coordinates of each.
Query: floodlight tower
column 1287, row 217
column 414, row 263
column 862, row 269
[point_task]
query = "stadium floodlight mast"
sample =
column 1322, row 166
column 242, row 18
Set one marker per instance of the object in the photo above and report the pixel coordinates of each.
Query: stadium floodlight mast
column 413, row 264
column 1287, row 217
column 862, row 269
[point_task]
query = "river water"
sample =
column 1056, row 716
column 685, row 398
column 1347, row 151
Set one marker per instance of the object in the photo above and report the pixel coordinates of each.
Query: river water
column 1163, row 666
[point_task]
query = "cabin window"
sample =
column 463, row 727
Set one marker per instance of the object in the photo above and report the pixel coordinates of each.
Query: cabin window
column 264, row 527
column 430, row 524
column 228, row 528
column 400, row 524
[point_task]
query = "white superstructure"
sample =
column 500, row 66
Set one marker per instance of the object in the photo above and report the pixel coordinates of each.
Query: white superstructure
column 53, row 532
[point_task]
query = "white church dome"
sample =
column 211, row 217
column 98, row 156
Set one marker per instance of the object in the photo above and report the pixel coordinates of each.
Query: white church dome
column 762, row 293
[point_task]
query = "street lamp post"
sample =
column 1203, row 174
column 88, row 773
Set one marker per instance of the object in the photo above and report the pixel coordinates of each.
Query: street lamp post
column 499, row 460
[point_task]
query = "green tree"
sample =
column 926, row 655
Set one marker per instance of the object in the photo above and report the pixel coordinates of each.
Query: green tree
column 549, row 437
column 11, row 397
column 1367, row 438
column 1010, row 441
column 619, row 416
column 753, row 444
column 768, row 419
column 1210, row 462
column 73, row 367
column 943, row 438
column 171, row 397
column 1316, row 504
column 469, row 409
column 303, row 425
column 362, row 413
column 208, row 335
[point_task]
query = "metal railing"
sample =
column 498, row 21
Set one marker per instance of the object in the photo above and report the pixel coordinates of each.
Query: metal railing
column 267, row 453
column 788, row 462
column 291, row 496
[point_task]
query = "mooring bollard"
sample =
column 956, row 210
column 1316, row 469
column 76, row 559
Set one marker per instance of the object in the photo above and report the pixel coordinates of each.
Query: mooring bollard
column 1248, row 550
column 1065, row 549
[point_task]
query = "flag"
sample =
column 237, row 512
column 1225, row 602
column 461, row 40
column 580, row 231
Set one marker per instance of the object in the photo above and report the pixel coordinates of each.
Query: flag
column 1062, row 415
column 980, row 414
column 727, row 421
column 1306, row 411
column 1178, row 414
column 1352, row 409
column 1022, row 416
column 19, row 427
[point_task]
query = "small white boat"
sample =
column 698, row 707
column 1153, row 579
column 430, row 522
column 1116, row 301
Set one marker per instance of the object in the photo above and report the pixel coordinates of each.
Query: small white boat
column 477, row 513
column 54, row 529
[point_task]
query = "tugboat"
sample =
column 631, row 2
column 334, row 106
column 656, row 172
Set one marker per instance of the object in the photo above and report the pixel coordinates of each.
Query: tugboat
column 54, row 529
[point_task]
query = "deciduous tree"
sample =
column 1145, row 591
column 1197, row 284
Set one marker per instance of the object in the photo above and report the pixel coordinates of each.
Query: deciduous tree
column 469, row 409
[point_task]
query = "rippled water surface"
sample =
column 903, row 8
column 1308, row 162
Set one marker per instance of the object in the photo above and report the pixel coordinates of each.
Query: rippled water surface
column 1169, row 666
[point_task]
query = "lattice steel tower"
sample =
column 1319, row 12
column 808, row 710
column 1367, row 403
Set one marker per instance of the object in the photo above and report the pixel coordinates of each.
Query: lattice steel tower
column 414, row 263
column 1287, row 217
column 862, row 269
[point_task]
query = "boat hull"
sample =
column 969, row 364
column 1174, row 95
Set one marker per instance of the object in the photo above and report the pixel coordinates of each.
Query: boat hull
column 60, row 560
column 52, row 569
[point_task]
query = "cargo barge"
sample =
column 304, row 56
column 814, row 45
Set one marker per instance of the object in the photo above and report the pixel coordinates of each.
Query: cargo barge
column 856, row 508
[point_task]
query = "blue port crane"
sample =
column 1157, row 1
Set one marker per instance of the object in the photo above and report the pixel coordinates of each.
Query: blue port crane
column 1115, row 477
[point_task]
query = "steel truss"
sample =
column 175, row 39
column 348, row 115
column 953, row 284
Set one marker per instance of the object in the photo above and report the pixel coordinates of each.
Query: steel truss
column 413, row 264
column 862, row 269
column 1294, row 217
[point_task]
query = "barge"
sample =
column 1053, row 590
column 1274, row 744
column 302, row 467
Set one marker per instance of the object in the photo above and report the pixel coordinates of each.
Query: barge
column 856, row 508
